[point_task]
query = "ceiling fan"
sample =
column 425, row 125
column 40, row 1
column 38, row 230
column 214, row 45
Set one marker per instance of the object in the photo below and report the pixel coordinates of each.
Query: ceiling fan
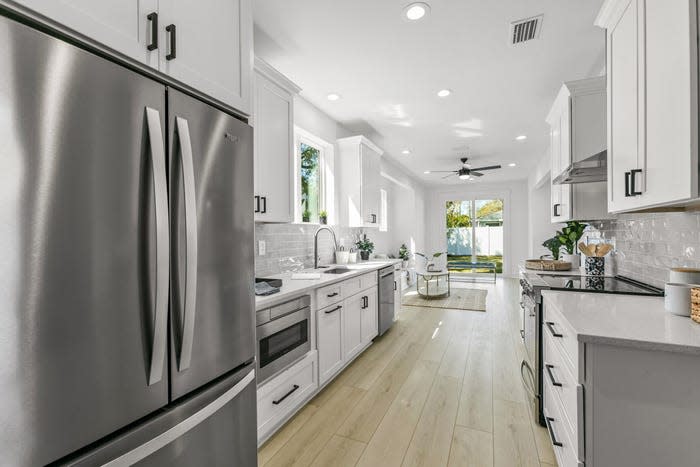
column 466, row 172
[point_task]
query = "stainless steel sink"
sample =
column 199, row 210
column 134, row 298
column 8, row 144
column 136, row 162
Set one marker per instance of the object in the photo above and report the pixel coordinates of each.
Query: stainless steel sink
column 342, row 270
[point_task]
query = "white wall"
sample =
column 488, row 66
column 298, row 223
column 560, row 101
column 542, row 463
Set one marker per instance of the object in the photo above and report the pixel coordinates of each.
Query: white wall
column 515, row 217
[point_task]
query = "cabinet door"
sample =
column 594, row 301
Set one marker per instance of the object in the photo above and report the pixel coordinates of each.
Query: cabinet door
column 670, row 169
column 352, row 325
column 329, row 339
column 623, row 106
column 274, row 141
column 560, row 194
column 397, row 293
column 120, row 25
column 370, row 317
column 213, row 47
column 370, row 186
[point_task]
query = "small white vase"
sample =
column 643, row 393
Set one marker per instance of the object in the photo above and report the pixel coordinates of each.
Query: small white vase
column 575, row 260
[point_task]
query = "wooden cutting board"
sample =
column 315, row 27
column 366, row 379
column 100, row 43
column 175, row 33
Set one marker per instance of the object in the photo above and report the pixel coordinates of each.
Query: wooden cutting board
column 547, row 265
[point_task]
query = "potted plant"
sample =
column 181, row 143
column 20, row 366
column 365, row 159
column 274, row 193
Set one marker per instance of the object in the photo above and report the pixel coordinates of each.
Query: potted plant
column 569, row 237
column 365, row 246
column 305, row 216
column 323, row 217
column 553, row 245
column 404, row 255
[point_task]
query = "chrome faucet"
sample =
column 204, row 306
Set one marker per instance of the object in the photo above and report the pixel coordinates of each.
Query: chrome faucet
column 335, row 243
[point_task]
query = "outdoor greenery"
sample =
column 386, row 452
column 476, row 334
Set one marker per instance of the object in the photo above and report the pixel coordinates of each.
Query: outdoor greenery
column 498, row 260
column 569, row 236
column 310, row 182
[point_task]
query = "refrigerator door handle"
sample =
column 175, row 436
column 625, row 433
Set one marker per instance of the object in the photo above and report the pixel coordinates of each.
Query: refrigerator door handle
column 183, row 133
column 155, row 135
column 167, row 437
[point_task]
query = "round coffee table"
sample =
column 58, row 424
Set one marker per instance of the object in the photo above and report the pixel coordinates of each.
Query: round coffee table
column 433, row 284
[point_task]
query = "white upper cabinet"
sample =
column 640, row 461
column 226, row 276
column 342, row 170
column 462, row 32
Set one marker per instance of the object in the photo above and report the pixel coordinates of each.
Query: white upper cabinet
column 359, row 181
column 128, row 27
column 273, row 119
column 652, row 66
column 577, row 132
column 207, row 45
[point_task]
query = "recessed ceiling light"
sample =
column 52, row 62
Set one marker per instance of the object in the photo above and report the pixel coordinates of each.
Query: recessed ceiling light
column 427, row 172
column 521, row 138
column 444, row 93
column 512, row 164
column 406, row 151
column 416, row 11
column 333, row 97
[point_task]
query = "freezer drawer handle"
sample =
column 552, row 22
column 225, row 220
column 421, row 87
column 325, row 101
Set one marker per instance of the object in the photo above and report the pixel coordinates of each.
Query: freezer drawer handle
column 551, row 375
column 183, row 133
column 160, row 325
column 332, row 294
column 550, row 325
column 334, row 309
column 183, row 427
column 172, row 29
column 153, row 19
column 281, row 399
column 553, row 437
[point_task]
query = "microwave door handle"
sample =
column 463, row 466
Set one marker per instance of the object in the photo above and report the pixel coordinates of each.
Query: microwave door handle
column 160, row 325
column 183, row 134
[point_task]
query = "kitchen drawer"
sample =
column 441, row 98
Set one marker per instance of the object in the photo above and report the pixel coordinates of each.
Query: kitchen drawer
column 556, row 328
column 296, row 383
column 562, row 382
column 566, row 447
column 329, row 295
column 369, row 280
column 351, row 286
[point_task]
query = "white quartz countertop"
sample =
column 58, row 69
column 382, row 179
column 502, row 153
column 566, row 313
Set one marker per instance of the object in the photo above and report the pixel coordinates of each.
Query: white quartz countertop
column 626, row 320
column 294, row 287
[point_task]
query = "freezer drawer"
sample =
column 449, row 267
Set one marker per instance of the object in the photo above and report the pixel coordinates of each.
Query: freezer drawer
column 215, row 427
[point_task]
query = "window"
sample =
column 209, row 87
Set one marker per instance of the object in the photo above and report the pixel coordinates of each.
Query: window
column 313, row 177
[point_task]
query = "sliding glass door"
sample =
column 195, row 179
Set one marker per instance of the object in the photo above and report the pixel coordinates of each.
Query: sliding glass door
column 474, row 229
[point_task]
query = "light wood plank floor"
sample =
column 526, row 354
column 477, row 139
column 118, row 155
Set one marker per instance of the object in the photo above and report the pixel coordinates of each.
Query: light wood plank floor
column 441, row 388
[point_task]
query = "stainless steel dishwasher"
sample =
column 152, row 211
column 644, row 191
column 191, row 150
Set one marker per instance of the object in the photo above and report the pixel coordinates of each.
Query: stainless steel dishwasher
column 386, row 299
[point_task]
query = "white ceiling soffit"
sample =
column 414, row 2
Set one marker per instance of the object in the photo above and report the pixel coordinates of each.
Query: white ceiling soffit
column 388, row 71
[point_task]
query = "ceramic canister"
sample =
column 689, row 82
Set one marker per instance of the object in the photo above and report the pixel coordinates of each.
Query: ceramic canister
column 684, row 276
column 677, row 299
column 595, row 266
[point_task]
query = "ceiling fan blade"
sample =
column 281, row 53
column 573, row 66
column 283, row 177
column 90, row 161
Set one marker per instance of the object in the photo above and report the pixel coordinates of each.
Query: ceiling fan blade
column 443, row 171
column 447, row 176
column 490, row 167
column 478, row 174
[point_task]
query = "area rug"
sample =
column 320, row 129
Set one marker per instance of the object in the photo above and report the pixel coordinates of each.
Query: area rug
column 459, row 299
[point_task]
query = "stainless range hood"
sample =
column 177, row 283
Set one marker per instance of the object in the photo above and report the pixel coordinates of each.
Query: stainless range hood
column 591, row 169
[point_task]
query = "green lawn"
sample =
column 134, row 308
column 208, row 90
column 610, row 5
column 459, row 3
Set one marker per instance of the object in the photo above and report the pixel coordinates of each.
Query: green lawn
column 486, row 259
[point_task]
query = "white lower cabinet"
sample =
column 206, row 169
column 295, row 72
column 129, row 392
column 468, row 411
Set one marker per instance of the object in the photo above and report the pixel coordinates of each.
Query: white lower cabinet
column 279, row 398
column 370, row 318
column 329, row 322
column 352, row 325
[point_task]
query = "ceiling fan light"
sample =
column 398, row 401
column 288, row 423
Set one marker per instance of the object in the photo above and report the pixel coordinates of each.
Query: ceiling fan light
column 463, row 177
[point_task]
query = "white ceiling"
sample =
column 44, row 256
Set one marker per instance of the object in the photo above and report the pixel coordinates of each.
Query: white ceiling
column 388, row 71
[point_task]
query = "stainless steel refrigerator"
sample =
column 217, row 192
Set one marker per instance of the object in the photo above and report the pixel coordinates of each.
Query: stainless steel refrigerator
column 126, row 266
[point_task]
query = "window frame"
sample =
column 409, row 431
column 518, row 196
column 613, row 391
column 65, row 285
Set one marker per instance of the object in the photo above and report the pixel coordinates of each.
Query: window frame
column 326, row 157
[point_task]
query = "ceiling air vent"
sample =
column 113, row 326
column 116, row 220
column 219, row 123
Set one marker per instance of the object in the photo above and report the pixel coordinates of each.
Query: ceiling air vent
column 525, row 30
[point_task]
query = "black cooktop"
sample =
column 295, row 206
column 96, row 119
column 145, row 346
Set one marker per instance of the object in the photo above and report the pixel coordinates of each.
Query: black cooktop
column 602, row 284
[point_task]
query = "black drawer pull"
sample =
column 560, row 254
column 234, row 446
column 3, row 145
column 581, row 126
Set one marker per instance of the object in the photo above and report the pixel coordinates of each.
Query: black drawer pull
column 334, row 309
column 279, row 401
column 153, row 19
column 332, row 294
column 550, row 325
column 554, row 439
column 551, row 375
column 172, row 29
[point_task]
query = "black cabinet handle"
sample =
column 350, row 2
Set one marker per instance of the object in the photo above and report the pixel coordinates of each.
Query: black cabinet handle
column 365, row 302
column 257, row 203
column 334, row 309
column 332, row 295
column 551, row 376
column 374, row 218
column 554, row 439
column 172, row 30
column 153, row 19
column 550, row 325
column 627, row 184
column 557, row 212
column 264, row 204
column 522, row 333
column 394, row 286
column 279, row 401
column 633, row 177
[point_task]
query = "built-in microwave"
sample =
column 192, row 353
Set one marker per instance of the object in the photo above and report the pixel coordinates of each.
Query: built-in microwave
column 283, row 336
